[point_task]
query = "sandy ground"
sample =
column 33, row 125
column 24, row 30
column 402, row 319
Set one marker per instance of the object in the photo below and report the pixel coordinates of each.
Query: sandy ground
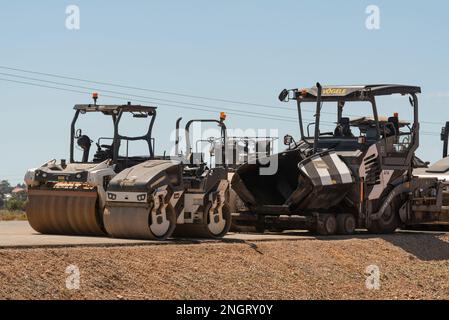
column 412, row 266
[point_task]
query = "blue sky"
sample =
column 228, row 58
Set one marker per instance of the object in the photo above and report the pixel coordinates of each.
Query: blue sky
column 238, row 50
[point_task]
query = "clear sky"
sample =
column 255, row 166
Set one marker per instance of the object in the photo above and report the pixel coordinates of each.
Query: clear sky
column 236, row 50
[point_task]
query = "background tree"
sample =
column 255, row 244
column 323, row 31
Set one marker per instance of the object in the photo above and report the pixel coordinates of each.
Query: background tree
column 5, row 187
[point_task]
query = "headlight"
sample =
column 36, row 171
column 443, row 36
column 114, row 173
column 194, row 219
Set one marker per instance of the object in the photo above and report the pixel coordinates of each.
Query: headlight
column 141, row 197
column 78, row 176
column 112, row 196
column 44, row 175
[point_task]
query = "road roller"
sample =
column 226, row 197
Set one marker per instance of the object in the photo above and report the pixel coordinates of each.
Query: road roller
column 183, row 195
column 113, row 192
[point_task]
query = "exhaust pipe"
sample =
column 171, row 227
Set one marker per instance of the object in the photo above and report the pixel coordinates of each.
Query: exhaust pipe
column 178, row 122
column 317, row 118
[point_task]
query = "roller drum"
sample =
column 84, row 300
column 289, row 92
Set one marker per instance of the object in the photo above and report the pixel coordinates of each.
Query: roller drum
column 139, row 222
column 66, row 212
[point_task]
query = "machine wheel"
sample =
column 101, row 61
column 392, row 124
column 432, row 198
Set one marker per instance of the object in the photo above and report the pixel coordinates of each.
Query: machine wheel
column 213, row 225
column 215, row 228
column 388, row 222
column 162, row 225
column 346, row 224
column 327, row 225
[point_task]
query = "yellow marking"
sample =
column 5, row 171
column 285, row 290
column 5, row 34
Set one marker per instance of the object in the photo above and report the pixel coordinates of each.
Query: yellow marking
column 334, row 91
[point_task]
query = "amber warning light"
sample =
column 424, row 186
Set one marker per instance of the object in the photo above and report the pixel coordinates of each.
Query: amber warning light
column 95, row 97
column 222, row 116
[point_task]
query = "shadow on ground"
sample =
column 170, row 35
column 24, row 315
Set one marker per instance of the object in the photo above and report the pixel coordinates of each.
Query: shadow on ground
column 425, row 246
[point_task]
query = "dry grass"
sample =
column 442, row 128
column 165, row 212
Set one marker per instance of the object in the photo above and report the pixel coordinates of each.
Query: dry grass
column 8, row 215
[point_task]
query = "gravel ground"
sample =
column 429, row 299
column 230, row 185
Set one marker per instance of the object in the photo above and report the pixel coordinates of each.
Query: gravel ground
column 412, row 266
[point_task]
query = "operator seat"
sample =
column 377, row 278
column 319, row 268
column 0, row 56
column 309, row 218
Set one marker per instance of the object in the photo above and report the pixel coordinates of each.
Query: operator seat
column 84, row 143
column 395, row 122
column 392, row 127
column 371, row 134
column 343, row 128
column 195, row 166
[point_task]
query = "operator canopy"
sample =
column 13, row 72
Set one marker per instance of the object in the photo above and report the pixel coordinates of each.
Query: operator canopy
column 355, row 92
column 114, row 108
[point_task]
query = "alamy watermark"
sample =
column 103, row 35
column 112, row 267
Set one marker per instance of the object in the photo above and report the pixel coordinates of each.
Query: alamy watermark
column 372, row 281
column 72, row 20
column 72, row 281
column 252, row 146
column 372, row 22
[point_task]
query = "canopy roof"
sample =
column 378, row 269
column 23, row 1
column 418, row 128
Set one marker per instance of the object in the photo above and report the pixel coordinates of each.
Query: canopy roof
column 114, row 109
column 355, row 92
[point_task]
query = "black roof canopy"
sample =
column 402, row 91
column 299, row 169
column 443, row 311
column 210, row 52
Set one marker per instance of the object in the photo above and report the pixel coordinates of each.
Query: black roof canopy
column 355, row 92
column 114, row 108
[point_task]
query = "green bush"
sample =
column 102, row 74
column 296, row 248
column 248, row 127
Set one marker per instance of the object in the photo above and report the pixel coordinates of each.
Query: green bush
column 15, row 204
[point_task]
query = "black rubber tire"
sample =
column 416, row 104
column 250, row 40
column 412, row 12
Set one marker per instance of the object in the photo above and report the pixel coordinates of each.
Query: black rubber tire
column 389, row 221
column 327, row 225
column 346, row 224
